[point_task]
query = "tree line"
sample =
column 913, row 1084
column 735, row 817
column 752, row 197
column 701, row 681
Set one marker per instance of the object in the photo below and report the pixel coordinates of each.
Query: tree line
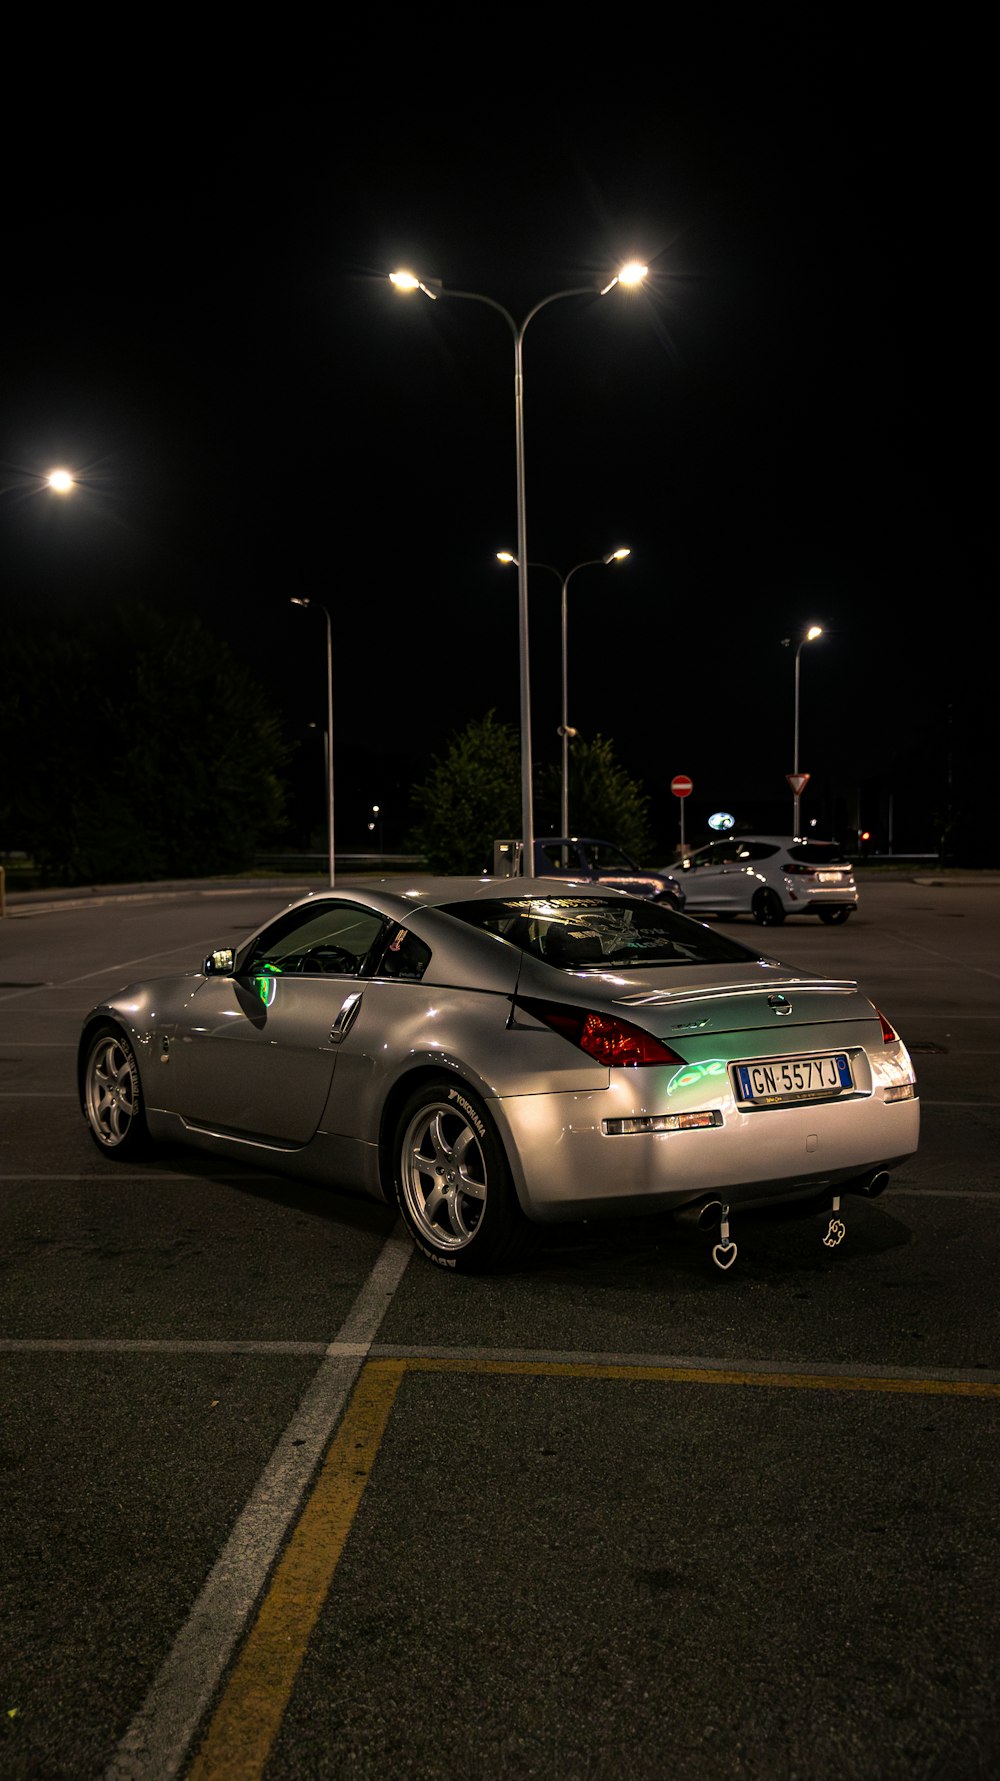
column 133, row 749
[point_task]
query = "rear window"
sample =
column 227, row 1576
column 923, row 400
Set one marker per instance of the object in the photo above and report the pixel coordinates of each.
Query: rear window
column 595, row 934
column 818, row 853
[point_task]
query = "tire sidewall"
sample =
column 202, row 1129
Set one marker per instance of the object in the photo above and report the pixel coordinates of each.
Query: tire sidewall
column 501, row 1216
column 767, row 909
column 136, row 1137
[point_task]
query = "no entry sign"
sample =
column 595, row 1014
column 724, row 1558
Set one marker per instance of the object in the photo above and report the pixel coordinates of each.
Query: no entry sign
column 681, row 785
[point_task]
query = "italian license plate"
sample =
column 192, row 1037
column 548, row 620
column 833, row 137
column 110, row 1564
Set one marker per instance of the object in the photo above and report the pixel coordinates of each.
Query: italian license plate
column 777, row 1082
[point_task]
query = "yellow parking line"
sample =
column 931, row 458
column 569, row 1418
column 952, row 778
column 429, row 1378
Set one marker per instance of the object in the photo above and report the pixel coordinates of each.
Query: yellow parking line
column 960, row 1388
column 245, row 1724
column 246, row 1721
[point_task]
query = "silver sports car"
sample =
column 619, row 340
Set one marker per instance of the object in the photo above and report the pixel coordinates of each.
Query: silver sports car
column 493, row 1055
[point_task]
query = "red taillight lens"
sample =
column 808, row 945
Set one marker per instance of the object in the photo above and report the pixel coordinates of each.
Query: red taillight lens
column 797, row 866
column 603, row 1037
column 889, row 1033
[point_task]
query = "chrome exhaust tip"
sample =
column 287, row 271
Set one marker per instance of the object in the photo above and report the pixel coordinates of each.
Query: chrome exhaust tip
column 870, row 1186
column 700, row 1215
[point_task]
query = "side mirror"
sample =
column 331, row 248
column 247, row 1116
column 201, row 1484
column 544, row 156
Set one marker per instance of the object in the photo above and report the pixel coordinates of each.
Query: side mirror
column 220, row 963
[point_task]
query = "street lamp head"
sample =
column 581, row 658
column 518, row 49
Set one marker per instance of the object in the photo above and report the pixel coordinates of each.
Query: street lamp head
column 504, row 556
column 813, row 632
column 299, row 600
column 632, row 273
column 408, row 281
column 618, row 556
column 61, row 481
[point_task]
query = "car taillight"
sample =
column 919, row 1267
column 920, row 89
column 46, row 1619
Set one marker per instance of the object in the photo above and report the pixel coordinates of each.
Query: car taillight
column 603, row 1037
column 889, row 1033
column 797, row 866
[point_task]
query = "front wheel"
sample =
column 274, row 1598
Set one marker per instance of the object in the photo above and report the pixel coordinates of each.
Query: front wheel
column 833, row 917
column 453, row 1182
column 112, row 1094
column 767, row 909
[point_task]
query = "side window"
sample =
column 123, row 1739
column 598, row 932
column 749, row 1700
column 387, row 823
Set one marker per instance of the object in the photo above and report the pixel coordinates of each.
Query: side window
column 760, row 850
column 325, row 939
column 404, row 956
column 604, row 857
column 559, row 858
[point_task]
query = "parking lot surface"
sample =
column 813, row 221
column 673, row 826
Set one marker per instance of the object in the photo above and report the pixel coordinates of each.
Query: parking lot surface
column 280, row 1499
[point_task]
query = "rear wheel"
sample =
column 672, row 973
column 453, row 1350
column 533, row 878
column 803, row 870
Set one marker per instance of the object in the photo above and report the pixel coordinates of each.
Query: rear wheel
column 112, row 1094
column 453, row 1182
column 767, row 909
column 833, row 917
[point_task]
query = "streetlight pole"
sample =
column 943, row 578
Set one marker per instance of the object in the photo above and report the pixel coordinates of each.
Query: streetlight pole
column 301, row 600
column 631, row 274
column 808, row 636
column 565, row 730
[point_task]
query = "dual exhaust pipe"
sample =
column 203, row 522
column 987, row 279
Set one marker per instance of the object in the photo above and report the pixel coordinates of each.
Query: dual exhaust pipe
column 706, row 1214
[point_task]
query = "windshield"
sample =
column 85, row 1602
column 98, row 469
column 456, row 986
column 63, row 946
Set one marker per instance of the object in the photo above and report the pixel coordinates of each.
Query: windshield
column 604, row 856
column 593, row 934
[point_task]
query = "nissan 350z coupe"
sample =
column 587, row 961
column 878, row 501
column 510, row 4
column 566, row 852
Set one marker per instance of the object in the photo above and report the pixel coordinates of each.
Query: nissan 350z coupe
column 495, row 1055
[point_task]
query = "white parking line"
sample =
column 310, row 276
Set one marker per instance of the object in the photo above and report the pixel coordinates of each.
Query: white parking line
column 153, row 1345
column 156, row 1743
column 136, row 1176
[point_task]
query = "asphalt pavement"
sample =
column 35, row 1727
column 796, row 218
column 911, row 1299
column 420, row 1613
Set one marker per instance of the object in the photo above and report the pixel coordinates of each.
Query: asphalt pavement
column 278, row 1499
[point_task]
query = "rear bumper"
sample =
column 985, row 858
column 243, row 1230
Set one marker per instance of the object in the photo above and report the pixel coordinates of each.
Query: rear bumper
column 821, row 896
column 568, row 1166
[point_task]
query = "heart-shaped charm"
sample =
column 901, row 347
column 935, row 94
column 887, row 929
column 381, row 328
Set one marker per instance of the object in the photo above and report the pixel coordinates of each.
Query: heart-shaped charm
column 724, row 1255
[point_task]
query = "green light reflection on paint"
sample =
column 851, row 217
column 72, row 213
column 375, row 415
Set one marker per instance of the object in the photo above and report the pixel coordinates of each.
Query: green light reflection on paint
column 691, row 1074
column 266, row 982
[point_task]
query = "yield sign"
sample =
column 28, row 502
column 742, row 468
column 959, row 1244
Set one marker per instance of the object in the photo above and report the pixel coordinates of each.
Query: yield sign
column 798, row 782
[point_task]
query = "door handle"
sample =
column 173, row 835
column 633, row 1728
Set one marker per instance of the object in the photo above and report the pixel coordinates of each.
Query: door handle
column 348, row 1010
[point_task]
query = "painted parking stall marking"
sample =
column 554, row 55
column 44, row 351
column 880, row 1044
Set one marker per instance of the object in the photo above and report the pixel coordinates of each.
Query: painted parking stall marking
column 248, row 1716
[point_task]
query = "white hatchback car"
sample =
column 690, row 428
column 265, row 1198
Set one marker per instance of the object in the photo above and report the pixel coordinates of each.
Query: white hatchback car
column 768, row 877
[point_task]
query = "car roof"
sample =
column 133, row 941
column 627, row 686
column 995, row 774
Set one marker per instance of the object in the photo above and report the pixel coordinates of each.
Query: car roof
column 397, row 895
column 778, row 840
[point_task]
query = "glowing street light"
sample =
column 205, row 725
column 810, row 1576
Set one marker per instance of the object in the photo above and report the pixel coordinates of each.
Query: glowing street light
column 633, row 273
column 565, row 730
column 301, row 600
column 808, row 636
column 62, row 481
column 406, row 281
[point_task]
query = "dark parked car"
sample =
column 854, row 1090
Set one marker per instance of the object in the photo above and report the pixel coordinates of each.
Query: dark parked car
column 601, row 862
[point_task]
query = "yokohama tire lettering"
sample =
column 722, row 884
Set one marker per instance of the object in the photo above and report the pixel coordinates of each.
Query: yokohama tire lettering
column 468, row 1110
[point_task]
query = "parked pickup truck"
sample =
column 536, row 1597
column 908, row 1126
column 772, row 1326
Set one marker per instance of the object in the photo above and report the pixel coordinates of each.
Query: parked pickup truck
column 581, row 857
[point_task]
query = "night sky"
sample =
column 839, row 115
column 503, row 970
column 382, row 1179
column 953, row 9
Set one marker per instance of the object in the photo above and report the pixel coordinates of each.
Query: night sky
column 791, row 422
